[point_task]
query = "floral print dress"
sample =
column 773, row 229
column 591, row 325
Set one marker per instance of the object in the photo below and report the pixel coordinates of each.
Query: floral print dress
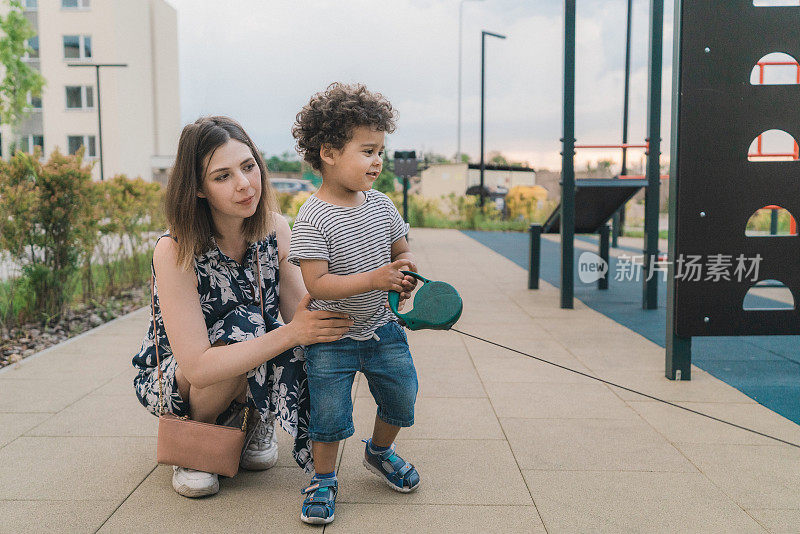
column 230, row 302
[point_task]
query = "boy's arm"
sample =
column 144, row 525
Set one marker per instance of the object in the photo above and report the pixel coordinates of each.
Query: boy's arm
column 326, row 286
column 401, row 251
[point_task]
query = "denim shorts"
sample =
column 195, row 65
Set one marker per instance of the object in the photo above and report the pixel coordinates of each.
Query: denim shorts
column 389, row 370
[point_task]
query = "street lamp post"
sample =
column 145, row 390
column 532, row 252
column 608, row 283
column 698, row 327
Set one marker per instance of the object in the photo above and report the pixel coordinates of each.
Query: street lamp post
column 483, row 96
column 619, row 217
column 97, row 67
column 460, row 30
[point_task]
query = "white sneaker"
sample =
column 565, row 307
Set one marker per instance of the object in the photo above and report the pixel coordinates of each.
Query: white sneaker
column 261, row 445
column 191, row 483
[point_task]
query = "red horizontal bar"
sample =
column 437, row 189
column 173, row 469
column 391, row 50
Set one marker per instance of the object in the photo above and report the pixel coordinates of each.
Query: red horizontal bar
column 784, row 63
column 772, row 155
column 612, row 146
column 632, row 177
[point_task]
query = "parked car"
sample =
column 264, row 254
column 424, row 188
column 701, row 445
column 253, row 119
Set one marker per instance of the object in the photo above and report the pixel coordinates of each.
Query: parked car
column 491, row 194
column 291, row 185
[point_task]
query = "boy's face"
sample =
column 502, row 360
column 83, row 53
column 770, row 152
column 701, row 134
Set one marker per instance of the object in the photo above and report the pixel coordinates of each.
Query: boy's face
column 357, row 165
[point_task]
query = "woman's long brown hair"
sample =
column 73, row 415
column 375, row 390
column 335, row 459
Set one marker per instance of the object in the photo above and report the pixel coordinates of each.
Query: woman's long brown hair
column 189, row 216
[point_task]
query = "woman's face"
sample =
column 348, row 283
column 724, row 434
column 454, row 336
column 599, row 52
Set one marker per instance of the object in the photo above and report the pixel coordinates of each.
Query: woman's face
column 232, row 181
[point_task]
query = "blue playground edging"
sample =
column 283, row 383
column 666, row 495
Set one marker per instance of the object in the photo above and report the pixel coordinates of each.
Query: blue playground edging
column 765, row 368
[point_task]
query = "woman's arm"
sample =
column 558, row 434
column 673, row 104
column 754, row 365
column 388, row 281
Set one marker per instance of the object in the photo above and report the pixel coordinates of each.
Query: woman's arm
column 184, row 323
column 290, row 286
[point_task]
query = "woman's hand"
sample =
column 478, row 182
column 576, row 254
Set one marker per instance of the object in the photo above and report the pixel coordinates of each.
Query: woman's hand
column 318, row 326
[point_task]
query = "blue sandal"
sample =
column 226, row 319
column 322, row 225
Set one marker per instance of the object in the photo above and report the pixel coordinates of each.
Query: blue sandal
column 320, row 502
column 394, row 471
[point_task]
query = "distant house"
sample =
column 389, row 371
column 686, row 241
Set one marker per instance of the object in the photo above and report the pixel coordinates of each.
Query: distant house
column 441, row 179
column 551, row 180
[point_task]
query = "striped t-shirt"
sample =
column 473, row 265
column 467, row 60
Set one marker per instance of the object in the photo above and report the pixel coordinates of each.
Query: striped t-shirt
column 352, row 240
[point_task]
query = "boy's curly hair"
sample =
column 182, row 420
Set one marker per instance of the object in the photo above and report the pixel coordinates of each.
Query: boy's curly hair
column 330, row 117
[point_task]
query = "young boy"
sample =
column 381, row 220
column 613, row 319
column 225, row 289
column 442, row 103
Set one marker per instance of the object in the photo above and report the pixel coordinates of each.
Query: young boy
column 350, row 243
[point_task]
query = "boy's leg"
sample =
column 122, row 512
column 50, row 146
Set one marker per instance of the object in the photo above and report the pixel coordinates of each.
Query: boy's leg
column 392, row 381
column 325, row 456
column 331, row 368
column 383, row 433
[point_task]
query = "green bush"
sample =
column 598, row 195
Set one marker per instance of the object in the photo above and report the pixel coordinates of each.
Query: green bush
column 290, row 203
column 45, row 209
column 762, row 221
column 127, row 211
column 464, row 213
column 16, row 301
column 74, row 239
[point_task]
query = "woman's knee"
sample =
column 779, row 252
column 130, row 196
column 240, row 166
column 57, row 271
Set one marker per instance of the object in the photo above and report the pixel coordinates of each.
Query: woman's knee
column 219, row 394
column 229, row 389
column 183, row 384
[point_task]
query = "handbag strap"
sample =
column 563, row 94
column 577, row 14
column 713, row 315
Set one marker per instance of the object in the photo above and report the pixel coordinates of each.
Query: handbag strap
column 155, row 332
column 155, row 342
column 260, row 290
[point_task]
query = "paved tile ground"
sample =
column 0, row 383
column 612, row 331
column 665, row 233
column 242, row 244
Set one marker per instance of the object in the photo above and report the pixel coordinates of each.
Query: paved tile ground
column 765, row 368
column 503, row 443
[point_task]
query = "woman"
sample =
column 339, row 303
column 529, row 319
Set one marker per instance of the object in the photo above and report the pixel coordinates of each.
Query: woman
column 225, row 248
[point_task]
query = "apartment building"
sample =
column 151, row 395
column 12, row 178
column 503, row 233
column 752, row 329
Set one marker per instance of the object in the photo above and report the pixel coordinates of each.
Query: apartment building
column 140, row 102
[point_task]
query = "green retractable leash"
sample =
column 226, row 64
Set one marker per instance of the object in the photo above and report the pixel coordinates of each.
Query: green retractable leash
column 437, row 305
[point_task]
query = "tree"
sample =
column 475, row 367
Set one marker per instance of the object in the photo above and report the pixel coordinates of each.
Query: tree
column 385, row 182
column 20, row 79
column 430, row 158
column 497, row 158
column 286, row 162
column 387, row 178
column 604, row 167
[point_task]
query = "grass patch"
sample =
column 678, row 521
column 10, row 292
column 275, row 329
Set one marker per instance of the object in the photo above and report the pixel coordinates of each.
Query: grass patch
column 662, row 234
column 92, row 286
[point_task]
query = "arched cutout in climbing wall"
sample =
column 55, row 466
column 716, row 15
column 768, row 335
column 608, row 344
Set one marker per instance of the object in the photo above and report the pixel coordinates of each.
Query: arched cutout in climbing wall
column 769, row 295
column 771, row 221
column 776, row 3
column 776, row 69
column 773, row 145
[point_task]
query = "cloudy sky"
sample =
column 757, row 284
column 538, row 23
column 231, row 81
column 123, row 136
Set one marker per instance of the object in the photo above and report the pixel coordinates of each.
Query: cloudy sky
column 260, row 60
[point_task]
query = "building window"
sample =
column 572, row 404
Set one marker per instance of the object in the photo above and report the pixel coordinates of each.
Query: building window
column 80, row 97
column 28, row 142
column 75, row 4
column 32, row 51
column 75, row 142
column 35, row 102
column 31, row 5
column 77, row 47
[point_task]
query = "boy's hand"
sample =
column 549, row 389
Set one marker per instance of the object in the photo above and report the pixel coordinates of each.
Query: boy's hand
column 389, row 277
column 409, row 283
